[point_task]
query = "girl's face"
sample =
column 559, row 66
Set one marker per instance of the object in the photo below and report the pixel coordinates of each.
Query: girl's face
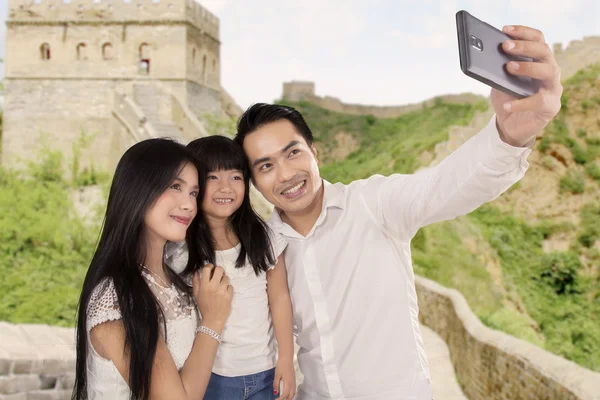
column 225, row 191
column 170, row 216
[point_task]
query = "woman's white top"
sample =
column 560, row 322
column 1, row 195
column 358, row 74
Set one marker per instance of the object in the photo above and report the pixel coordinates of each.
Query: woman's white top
column 104, row 380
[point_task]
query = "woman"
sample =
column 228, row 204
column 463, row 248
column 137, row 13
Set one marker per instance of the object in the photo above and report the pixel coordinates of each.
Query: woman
column 138, row 335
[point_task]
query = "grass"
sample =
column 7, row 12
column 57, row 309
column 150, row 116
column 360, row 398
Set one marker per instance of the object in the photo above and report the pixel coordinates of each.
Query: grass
column 386, row 145
column 550, row 285
column 45, row 248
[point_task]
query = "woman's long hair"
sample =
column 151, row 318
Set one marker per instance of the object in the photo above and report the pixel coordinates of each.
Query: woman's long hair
column 219, row 153
column 144, row 172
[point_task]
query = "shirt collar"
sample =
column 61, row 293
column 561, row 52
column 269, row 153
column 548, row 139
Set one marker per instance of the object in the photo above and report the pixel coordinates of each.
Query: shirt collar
column 333, row 196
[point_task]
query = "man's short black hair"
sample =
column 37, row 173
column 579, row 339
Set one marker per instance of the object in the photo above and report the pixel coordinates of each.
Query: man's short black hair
column 261, row 114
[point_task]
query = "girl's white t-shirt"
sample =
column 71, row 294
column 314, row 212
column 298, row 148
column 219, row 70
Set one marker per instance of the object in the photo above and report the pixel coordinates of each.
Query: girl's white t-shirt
column 248, row 345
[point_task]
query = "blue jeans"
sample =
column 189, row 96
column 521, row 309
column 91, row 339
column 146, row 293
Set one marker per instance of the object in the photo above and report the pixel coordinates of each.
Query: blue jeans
column 254, row 387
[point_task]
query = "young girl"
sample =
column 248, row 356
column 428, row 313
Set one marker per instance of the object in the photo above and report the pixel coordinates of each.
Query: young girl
column 233, row 236
column 137, row 333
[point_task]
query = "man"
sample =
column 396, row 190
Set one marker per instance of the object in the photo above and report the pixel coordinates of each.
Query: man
column 348, row 258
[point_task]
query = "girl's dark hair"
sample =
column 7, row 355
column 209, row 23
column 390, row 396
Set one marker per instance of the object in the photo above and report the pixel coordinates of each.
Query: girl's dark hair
column 219, row 153
column 144, row 172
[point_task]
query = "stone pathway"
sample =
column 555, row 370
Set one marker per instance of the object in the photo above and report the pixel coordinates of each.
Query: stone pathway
column 39, row 360
column 445, row 385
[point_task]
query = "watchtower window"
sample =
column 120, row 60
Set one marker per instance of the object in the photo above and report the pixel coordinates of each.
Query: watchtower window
column 81, row 51
column 45, row 51
column 107, row 51
column 144, row 58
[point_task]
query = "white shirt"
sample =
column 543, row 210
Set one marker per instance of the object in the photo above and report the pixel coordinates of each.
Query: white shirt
column 248, row 345
column 351, row 278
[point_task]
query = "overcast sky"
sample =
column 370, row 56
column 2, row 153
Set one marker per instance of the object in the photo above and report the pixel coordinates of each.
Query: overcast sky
column 382, row 52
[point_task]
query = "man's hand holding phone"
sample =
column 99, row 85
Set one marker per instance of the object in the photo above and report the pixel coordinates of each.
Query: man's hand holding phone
column 520, row 120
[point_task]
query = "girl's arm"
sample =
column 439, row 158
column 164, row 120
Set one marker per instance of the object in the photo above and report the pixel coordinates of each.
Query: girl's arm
column 281, row 313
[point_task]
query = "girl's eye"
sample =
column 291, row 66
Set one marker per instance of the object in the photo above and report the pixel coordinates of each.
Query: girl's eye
column 211, row 177
column 194, row 194
column 176, row 186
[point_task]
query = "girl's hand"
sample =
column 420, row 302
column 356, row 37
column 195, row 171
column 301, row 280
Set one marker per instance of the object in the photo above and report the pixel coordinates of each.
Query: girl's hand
column 284, row 372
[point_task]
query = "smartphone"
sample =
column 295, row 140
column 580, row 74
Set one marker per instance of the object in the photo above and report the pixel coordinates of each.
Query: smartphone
column 482, row 57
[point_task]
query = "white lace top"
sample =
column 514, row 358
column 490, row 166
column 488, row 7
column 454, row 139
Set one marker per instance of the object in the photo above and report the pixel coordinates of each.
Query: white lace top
column 104, row 380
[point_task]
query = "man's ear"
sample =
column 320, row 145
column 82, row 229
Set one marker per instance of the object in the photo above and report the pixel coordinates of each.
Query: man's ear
column 314, row 150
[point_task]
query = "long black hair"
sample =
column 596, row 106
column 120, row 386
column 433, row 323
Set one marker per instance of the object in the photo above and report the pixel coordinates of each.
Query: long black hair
column 219, row 153
column 144, row 172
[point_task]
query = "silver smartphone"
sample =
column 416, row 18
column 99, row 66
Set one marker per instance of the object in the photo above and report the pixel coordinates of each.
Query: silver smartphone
column 482, row 57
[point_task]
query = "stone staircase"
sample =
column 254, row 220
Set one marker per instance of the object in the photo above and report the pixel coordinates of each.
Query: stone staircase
column 154, row 104
column 37, row 362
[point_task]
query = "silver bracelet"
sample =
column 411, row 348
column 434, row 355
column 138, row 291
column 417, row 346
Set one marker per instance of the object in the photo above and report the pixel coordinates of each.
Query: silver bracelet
column 207, row 331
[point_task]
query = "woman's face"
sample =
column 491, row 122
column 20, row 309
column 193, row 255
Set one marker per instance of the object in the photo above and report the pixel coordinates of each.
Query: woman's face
column 170, row 216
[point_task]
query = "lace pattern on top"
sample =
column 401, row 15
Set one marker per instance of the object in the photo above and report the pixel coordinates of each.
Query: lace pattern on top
column 175, row 304
column 178, row 309
column 103, row 305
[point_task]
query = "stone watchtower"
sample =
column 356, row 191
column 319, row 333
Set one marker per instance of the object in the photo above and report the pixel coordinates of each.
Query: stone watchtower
column 119, row 70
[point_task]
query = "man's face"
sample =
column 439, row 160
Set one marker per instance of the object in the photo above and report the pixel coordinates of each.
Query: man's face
column 284, row 167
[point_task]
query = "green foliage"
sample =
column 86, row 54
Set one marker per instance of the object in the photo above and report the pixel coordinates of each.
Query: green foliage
column 564, row 102
column 386, row 145
column 580, row 155
column 590, row 224
column 1, row 125
column 439, row 254
column 593, row 170
column 514, row 323
column 87, row 176
column 558, row 132
column 585, row 75
column 559, row 271
column 548, row 162
column 217, row 125
column 551, row 286
column 371, row 119
column 49, row 168
column 573, row 182
column 586, row 105
column 545, row 144
column 593, row 147
column 45, row 248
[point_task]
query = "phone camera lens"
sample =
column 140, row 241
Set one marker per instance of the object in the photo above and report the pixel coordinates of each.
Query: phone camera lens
column 476, row 42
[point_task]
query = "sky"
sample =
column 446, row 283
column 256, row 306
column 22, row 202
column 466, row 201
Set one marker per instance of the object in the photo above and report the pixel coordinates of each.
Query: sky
column 377, row 52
